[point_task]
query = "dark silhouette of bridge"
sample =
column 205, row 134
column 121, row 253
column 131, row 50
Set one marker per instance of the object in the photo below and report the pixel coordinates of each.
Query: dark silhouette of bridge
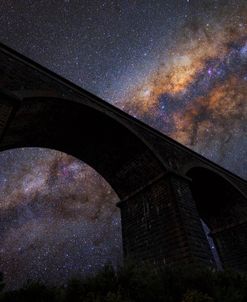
column 165, row 189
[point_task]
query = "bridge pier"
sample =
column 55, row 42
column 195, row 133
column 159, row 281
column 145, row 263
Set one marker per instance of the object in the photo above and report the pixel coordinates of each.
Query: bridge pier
column 160, row 224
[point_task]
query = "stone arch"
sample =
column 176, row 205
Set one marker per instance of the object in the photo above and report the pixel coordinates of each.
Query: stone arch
column 213, row 168
column 224, row 209
column 97, row 138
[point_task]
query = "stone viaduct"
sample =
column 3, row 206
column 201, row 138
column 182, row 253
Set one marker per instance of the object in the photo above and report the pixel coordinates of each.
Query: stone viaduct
column 165, row 189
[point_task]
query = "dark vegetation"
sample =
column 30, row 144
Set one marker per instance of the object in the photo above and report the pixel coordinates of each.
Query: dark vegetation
column 135, row 283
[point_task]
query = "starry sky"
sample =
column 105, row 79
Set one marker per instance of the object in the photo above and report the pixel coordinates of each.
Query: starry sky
column 179, row 66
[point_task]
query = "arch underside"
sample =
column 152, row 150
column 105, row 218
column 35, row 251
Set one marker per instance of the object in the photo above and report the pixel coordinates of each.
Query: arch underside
column 88, row 134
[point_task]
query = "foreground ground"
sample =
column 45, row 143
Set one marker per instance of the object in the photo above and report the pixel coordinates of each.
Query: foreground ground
column 133, row 283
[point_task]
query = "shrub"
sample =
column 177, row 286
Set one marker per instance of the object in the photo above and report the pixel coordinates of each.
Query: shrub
column 141, row 283
column 195, row 296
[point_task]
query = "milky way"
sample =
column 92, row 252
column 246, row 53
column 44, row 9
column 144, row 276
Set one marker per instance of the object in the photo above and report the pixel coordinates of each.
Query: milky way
column 58, row 218
column 197, row 93
column 180, row 66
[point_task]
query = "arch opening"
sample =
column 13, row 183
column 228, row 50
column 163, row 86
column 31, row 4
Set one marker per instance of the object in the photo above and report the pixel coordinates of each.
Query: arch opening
column 58, row 213
column 223, row 212
column 100, row 140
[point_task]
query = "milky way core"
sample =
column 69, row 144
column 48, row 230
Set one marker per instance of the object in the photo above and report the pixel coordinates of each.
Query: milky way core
column 179, row 66
column 197, row 92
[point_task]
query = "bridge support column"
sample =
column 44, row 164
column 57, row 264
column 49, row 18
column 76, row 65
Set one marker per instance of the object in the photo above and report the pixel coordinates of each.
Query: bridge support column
column 160, row 223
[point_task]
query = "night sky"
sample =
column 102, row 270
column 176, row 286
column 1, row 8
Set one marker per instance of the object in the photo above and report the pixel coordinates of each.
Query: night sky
column 179, row 66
